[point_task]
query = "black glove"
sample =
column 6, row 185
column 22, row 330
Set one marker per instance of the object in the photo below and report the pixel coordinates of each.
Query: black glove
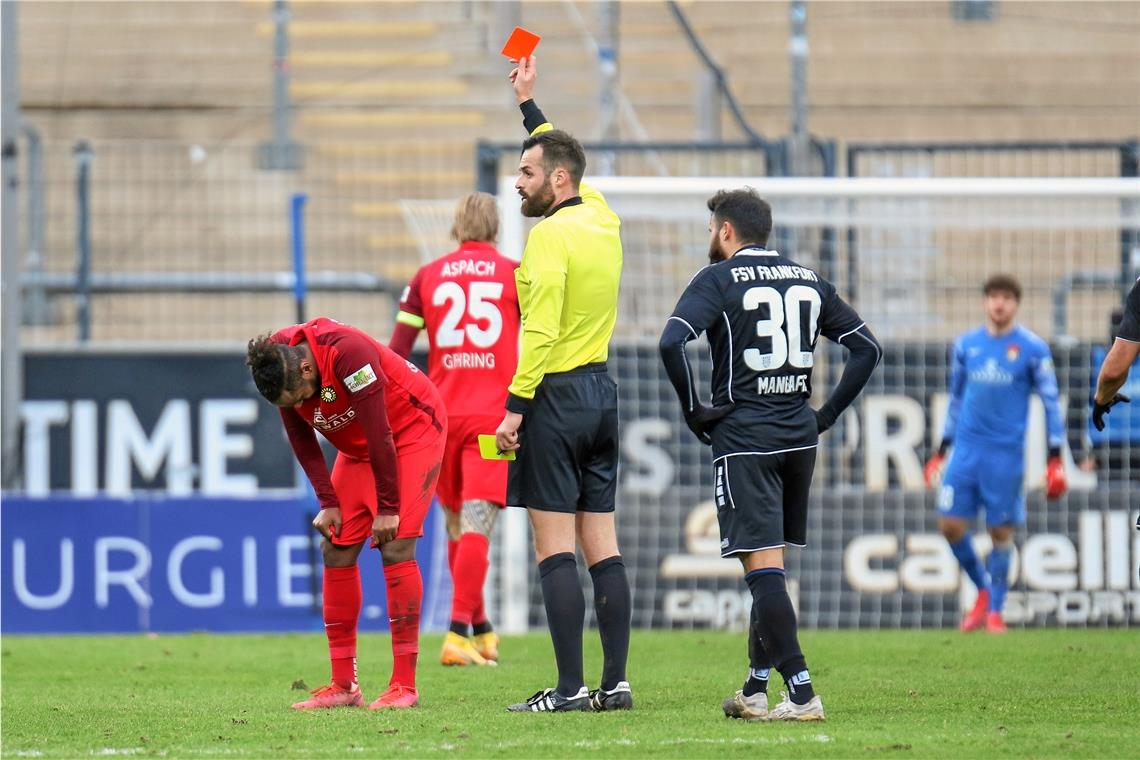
column 704, row 418
column 1099, row 410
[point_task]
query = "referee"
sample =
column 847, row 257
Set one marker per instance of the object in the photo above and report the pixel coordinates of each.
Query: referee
column 562, row 407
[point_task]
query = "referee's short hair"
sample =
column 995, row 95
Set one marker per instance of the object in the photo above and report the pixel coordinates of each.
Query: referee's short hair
column 751, row 216
column 1004, row 282
column 559, row 149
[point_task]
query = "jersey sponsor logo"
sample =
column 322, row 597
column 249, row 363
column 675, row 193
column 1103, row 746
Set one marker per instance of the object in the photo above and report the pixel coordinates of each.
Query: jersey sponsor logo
column 468, row 360
column 333, row 423
column 783, row 384
column 467, row 266
column 328, row 394
column 361, row 378
column 991, row 373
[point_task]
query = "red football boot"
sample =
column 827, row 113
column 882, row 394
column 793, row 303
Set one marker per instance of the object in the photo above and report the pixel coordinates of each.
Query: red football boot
column 398, row 696
column 332, row 695
column 976, row 618
column 994, row 623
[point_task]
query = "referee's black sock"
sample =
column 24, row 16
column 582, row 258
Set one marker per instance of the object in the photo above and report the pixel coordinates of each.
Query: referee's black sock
column 565, row 616
column 613, row 607
column 759, row 663
column 777, row 622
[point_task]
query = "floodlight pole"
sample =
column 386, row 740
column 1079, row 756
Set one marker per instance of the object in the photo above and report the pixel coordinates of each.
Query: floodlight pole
column 11, row 352
column 798, row 51
column 607, row 15
column 281, row 153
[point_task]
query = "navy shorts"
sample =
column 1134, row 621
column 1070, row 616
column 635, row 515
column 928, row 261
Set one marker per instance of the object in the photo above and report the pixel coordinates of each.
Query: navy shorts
column 568, row 445
column 762, row 499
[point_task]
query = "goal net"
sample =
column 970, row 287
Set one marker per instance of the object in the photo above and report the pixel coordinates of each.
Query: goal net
column 910, row 255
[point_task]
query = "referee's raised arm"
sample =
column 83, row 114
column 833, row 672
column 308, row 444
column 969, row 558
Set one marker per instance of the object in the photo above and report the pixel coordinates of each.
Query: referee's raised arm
column 562, row 406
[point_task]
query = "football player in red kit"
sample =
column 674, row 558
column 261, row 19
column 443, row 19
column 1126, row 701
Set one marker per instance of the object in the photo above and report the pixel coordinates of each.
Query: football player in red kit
column 389, row 427
column 466, row 300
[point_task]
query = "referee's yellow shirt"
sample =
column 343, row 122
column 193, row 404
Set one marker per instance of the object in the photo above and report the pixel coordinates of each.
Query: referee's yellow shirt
column 568, row 289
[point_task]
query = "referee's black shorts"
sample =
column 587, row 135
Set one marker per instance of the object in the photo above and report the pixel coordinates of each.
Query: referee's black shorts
column 762, row 499
column 568, row 454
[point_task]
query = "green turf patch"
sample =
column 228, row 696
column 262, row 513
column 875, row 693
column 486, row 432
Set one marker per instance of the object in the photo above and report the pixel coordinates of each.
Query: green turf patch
column 1036, row 693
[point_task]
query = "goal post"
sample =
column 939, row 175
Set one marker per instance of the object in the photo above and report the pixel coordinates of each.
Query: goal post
column 911, row 255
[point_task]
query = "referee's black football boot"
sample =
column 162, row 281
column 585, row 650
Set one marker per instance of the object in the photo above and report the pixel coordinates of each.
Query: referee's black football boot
column 548, row 700
column 618, row 698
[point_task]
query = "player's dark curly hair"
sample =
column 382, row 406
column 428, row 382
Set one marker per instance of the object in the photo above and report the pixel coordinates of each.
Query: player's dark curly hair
column 1003, row 282
column 751, row 216
column 559, row 149
column 275, row 367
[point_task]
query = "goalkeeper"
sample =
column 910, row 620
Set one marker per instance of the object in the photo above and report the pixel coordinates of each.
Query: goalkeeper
column 994, row 368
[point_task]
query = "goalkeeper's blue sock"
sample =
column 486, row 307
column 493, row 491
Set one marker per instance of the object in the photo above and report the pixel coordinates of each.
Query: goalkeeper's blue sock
column 999, row 575
column 968, row 558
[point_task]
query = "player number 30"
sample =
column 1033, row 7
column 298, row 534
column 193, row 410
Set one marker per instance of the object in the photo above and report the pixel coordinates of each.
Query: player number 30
column 783, row 332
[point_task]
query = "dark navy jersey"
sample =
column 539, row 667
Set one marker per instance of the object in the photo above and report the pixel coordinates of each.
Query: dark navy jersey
column 763, row 314
column 1130, row 324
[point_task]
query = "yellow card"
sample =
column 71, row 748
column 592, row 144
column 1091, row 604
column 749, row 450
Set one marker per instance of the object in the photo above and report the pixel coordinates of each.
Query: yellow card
column 488, row 449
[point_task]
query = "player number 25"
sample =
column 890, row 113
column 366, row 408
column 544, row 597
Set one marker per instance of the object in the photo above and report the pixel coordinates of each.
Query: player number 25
column 783, row 334
column 479, row 303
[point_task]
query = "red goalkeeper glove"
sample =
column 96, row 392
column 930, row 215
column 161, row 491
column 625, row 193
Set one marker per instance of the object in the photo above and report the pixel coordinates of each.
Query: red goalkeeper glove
column 932, row 472
column 1055, row 481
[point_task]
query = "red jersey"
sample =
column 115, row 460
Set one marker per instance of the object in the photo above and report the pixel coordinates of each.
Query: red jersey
column 354, row 369
column 468, row 304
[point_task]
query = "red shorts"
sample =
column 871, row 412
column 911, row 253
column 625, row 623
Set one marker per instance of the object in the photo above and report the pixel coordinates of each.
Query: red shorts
column 356, row 491
column 465, row 475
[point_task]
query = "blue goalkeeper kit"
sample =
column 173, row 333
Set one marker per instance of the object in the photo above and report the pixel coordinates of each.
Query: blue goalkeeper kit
column 991, row 378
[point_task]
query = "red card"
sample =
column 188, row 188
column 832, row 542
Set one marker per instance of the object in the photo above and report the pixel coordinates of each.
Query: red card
column 521, row 44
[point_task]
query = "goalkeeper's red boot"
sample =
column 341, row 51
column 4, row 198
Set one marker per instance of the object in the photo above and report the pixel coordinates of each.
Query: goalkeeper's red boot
column 332, row 695
column 994, row 623
column 398, row 696
column 976, row 618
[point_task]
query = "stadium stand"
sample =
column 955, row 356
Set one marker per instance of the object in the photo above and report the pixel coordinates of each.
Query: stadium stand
column 391, row 97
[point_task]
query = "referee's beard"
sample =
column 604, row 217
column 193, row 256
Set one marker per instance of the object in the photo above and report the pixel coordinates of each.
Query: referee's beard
column 538, row 204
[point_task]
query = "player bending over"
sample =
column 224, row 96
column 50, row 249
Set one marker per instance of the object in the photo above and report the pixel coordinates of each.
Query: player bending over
column 387, row 422
column 466, row 300
column 763, row 314
column 993, row 370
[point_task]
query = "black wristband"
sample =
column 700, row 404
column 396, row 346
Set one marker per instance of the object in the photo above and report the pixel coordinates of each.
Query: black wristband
column 1054, row 452
column 944, row 446
column 518, row 404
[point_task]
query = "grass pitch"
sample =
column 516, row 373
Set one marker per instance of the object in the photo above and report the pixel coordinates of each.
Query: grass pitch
column 1033, row 693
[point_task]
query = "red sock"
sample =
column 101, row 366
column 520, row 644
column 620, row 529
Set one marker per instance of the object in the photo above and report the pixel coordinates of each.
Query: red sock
column 479, row 616
column 452, row 548
column 405, row 594
column 342, row 601
column 470, row 572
